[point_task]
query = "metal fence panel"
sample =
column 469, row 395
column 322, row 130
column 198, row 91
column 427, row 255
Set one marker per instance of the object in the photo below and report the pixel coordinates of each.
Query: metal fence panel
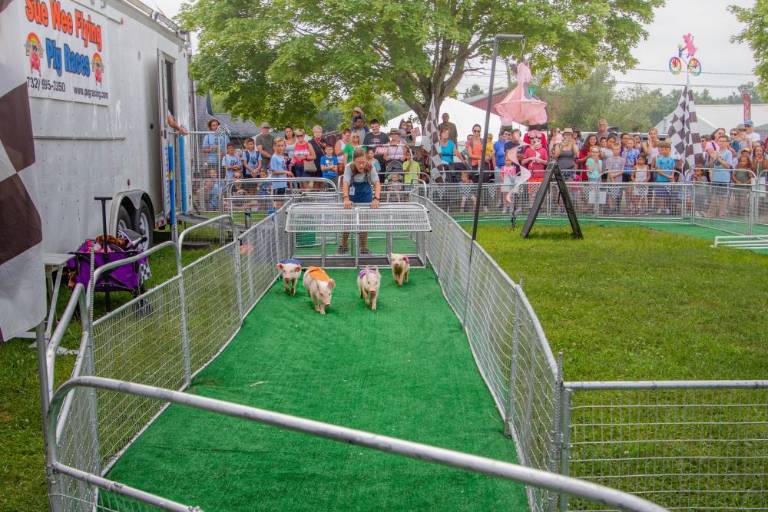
column 507, row 343
column 517, row 363
column 77, row 446
column 207, row 179
column 258, row 255
column 726, row 208
column 213, row 313
column 142, row 342
column 683, row 448
column 760, row 211
column 447, row 248
column 733, row 209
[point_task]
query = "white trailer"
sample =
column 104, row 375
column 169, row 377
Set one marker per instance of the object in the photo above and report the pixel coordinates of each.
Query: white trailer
column 102, row 78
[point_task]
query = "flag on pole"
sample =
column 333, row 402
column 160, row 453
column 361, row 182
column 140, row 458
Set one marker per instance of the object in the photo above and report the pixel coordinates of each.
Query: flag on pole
column 22, row 278
column 685, row 141
column 430, row 141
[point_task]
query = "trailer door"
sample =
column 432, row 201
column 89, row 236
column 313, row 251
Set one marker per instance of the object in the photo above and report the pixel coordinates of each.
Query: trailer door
column 166, row 89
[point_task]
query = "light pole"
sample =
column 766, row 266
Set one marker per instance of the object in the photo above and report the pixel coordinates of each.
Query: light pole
column 480, row 178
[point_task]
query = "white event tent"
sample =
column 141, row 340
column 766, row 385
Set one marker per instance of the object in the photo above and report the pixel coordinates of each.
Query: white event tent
column 463, row 115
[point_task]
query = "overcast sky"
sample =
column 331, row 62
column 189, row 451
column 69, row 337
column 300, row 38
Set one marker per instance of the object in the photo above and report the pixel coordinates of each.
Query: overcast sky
column 707, row 20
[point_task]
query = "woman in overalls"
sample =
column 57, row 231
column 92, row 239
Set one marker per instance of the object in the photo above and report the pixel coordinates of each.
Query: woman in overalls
column 361, row 186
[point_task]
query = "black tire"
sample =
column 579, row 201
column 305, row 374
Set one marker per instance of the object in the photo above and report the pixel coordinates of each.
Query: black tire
column 124, row 220
column 144, row 223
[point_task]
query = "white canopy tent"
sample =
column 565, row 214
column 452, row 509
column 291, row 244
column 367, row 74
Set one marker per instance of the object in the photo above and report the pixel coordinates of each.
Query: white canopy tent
column 463, row 115
column 711, row 117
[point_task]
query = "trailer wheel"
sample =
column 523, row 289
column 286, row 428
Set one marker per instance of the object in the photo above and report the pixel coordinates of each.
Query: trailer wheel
column 124, row 220
column 144, row 224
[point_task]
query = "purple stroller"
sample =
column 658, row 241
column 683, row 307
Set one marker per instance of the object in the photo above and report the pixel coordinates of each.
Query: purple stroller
column 126, row 278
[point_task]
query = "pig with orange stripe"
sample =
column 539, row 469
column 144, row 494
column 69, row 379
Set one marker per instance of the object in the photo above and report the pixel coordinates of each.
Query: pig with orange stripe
column 320, row 288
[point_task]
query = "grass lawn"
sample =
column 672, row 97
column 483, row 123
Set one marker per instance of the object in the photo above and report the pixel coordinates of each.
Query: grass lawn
column 634, row 303
column 22, row 476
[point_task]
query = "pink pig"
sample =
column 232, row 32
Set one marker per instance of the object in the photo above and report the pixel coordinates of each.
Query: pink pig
column 320, row 288
column 291, row 270
column 368, row 281
column 401, row 267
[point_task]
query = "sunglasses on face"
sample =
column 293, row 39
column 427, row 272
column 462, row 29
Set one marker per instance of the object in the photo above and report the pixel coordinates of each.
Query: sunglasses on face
column 476, row 131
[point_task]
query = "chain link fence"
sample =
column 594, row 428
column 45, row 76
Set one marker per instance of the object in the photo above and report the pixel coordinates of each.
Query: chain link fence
column 160, row 338
column 687, row 446
column 207, row 150
column 683, row 445
column 736, row 209
column 507, row 342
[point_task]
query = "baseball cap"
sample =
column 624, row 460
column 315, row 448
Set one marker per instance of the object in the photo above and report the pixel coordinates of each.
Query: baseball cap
column 265, row 125
column 749, row 122
column 394, row 131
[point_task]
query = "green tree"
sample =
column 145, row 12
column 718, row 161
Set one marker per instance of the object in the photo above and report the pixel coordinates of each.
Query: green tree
column 580, row 105
column 279, row 59
column 756, row 34
column 474, row 90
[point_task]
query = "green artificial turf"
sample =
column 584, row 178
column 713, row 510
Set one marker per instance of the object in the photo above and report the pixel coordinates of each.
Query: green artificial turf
column 405, row 371
column 632, row 303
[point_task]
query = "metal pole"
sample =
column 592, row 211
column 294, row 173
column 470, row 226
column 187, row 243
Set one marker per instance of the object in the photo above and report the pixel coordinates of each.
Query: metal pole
column 480, row 177
column 183, row 174
column 496, row 39
column 45, row 399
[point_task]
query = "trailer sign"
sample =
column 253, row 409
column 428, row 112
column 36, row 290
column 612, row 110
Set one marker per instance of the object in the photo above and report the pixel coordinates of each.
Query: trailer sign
column 64, row 51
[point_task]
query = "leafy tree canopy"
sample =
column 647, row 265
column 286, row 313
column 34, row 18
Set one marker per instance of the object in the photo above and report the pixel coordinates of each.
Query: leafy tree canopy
column 756, row 34
column 580, row 105
column 280, row 59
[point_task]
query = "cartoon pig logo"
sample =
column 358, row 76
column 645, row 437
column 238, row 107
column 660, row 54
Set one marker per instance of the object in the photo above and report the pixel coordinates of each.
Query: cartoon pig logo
column 35, row 53
column 98, row 67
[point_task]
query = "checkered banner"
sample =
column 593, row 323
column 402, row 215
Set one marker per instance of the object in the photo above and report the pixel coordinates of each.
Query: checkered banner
column 22, row 278
column 686, row 143
column 430, row 141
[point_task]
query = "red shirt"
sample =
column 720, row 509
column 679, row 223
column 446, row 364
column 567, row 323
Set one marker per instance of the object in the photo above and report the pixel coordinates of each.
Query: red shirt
column 536, row 168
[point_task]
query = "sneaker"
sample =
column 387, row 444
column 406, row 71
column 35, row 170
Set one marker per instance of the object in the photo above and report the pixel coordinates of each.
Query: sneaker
column 365, row 251
column 342, row 250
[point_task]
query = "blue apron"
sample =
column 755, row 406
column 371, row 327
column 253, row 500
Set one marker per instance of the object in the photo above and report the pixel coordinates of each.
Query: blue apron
column 361, row 192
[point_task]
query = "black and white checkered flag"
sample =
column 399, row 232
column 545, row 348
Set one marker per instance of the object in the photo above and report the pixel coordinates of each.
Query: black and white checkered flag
column 686, row 143
column 22, row 278
column 430, row 141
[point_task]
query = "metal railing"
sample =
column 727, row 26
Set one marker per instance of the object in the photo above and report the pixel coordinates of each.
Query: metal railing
column 733, row 209
column 473, row 463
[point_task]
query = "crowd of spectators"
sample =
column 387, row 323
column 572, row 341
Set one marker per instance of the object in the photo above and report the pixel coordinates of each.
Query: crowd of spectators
column 732, row 159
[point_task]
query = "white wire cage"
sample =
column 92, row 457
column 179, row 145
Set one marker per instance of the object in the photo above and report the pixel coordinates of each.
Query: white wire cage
column 321, row 233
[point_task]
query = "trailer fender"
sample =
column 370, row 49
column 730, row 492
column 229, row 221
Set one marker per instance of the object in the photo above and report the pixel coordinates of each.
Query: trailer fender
column 131, row 200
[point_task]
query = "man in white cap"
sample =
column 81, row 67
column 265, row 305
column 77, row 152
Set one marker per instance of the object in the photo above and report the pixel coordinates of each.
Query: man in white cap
column 751, row 134
column 265, row 141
